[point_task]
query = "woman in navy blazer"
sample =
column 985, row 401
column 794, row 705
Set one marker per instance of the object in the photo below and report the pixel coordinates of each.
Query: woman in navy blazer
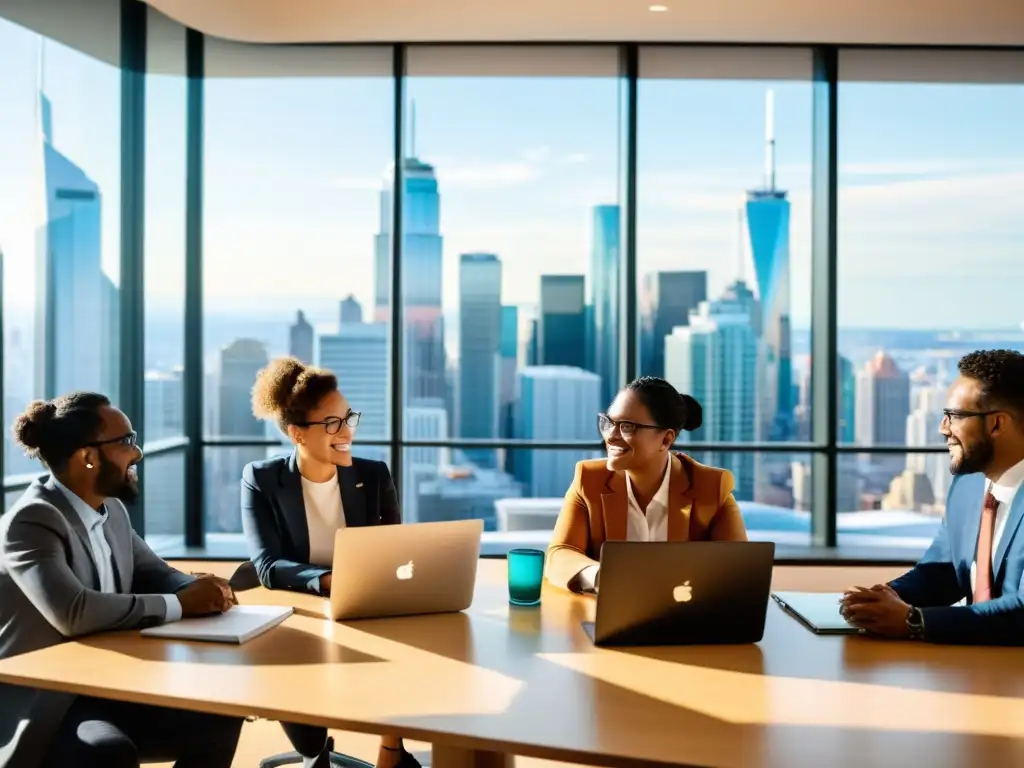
column 293, row 505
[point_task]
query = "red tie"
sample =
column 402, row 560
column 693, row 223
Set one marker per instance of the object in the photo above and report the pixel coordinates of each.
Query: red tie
column 983, row 578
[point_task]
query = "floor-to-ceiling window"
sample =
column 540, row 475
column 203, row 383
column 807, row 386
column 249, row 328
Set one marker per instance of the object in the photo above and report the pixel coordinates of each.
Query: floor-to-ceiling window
column 297, row 146
column 60, row 219
column 723, row 261
column 931, row 237
column 510, row 265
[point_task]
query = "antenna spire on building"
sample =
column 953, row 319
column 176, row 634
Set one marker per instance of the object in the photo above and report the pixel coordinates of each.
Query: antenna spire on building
column 769, row 140
column 412, row 128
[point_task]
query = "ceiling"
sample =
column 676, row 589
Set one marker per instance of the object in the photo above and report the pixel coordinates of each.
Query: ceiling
column 908, row 22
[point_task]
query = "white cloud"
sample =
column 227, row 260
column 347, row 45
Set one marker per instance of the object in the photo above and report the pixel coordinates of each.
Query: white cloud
column 359, row 182
column 929, row 167
column 489, row 175
column 536, row 155
column 575, row 158
column 532, row 164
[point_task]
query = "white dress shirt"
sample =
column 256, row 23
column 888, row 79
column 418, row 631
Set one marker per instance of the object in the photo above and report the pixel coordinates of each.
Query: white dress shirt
column 652, row 526
column 325, row 515
column 1004, row 490
column 101, row 554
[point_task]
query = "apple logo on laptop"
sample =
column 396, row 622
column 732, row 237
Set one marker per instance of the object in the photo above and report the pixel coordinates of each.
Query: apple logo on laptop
column 405, row 572
column 683, row 593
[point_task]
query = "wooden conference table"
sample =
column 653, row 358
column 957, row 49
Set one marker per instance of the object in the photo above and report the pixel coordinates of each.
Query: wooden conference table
column 499, row 681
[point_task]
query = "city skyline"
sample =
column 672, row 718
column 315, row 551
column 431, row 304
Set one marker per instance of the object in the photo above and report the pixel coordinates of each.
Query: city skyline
column 498, row 168
column 511, row 256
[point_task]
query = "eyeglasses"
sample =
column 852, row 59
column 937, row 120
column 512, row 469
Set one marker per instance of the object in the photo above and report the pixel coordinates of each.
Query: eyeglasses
column 606, row 424
column 952, row 414
column 332, row 424
column 129, row 440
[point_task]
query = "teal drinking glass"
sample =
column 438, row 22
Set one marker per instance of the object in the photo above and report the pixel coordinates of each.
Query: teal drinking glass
column 525, row 575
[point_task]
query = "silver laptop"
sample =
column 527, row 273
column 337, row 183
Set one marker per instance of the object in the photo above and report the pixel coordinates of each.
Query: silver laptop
column 401, row 570
column 818, row 611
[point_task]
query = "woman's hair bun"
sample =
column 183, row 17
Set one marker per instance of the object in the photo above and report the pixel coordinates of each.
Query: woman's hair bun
column 694, row 413
column 30, row 425
column 274, row 386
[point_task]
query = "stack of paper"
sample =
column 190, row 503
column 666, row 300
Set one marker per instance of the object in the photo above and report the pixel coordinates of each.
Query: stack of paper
column 239, row 625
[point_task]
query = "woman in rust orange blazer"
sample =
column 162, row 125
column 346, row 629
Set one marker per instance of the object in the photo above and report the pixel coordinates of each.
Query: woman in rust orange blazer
column 642, row 491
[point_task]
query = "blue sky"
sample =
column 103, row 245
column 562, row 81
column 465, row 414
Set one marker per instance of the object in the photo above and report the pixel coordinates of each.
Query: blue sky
column 931, row 183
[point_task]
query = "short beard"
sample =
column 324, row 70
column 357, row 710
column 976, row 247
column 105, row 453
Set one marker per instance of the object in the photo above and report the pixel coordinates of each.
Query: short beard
column 111, row 482
column 974, row 458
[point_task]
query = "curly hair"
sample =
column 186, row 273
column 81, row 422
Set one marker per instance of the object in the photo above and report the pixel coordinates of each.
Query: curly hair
column 52, row 430
column 669, row 408
column 1000, row 372
column 287, row 389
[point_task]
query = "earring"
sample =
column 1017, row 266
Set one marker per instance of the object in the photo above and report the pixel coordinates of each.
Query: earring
column 88, row 466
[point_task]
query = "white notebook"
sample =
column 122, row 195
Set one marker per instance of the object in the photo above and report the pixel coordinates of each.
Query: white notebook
column 239, row 625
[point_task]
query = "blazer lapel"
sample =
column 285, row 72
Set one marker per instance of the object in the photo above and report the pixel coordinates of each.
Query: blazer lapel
column 973, row 503
column 354, row 491
column 680, row 505
column 615, row 506
column 293, row 508
column 56, row 497
column 115, row 535
column 1012, row 523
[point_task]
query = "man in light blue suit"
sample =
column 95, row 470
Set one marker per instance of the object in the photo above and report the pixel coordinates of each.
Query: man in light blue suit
column 969, row 586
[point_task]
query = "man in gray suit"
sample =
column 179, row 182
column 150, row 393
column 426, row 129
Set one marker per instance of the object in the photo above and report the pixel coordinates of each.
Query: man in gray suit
column 71, row 565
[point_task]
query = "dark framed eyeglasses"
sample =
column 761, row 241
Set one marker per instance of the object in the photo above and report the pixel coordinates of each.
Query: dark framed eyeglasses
column 606, row 425
column 953, row 414
column 332, row 424
column 129, row 440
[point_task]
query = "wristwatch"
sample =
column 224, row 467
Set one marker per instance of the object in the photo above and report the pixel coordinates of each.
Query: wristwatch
column 915, row 623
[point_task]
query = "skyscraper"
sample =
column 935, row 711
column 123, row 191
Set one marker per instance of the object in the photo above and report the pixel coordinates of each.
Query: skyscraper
column 240, row 361
column 555, row 403
column 714, row 358
column 424, row 368
column 422, row 463
column 350, row 311
column 164, row 476
column 603, row 298
column 666, row 301
column 923, row 429
column 479, row 351
column 883, row 404
column 76, row 303
column 300, row 338
column 358, row 356
column 847, row 400
column 767, row 212
column 561, row 328
column 164, row 415
column 509, row 364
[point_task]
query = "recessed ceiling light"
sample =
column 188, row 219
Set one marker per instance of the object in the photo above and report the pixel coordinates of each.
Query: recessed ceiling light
column 658, row 8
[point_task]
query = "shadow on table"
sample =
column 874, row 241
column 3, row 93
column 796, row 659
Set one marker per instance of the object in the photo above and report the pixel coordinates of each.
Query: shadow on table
column 282, row 645
column 450, row 635
column 565, row 709
column 596, row 722
column 512, row 641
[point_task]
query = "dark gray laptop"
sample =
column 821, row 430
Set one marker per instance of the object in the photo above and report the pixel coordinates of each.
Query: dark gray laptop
column 818, row 611
column 682, row 593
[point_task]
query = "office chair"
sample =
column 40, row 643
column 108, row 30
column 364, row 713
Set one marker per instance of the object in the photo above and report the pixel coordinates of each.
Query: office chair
column 245, row 577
